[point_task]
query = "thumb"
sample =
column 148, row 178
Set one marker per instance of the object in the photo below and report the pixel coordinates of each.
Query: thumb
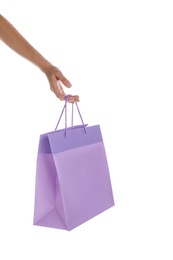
column 65, row 81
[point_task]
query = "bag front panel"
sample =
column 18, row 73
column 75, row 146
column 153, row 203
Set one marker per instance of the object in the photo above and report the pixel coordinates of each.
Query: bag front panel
column 85, row 182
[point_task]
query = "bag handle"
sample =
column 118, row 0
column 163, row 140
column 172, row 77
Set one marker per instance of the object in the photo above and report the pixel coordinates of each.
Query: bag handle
column 65, row 108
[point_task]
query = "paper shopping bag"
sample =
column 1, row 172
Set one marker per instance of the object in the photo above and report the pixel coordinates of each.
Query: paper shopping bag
column 73, row 182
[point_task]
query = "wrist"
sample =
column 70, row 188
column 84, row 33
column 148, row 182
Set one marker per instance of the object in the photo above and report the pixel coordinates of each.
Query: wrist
column 45, row 66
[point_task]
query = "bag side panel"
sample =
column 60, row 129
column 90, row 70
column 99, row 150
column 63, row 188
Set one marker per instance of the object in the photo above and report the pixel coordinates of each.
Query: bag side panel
column 48, row 208
column 45, row 186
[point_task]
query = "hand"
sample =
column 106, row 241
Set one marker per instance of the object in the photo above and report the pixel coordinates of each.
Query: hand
column 56, row 78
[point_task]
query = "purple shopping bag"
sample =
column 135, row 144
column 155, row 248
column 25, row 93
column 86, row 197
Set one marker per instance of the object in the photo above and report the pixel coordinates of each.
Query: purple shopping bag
column 72, row 176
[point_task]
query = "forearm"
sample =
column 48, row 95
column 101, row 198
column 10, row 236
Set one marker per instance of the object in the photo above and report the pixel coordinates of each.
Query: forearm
column 13, row 39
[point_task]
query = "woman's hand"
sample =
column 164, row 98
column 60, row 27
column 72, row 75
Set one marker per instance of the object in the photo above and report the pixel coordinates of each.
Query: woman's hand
column 56, row 79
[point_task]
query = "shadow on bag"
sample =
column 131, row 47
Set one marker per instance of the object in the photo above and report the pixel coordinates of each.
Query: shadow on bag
column 72, row 176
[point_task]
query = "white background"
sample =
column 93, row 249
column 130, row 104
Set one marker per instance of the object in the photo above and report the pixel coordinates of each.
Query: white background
column 119, row 57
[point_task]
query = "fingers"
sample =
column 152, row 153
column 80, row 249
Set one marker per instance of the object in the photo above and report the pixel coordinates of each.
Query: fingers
column 59, row 92
column 73, row 99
